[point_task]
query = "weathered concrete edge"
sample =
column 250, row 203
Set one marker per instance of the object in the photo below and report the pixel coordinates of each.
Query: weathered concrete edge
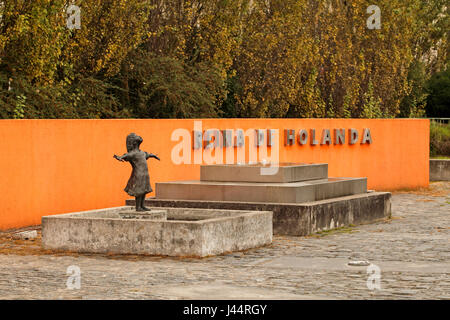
column 249, row 230
column 304, row 218
column 77, row 233
column 196, row 190
column 252, row 173
column 69, row 214
column 439, row 170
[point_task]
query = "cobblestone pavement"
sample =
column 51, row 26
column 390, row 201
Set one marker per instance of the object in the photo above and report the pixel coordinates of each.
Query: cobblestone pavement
column 412, row 251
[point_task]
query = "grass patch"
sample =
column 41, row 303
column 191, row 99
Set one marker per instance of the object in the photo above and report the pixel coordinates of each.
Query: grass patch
column 435, row 189
column 348, row 229
column 440, row 140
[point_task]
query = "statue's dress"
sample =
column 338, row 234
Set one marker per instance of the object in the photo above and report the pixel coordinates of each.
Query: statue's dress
column 139, row 182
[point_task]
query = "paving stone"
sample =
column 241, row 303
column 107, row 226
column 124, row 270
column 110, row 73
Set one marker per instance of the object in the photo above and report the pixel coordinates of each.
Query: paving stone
column 25, row 235
column 412, row 251
column 359, row 263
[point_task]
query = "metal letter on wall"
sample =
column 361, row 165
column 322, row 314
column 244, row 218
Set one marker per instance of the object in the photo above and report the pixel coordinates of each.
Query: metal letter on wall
column 339, row 136
column 259, row 137
column 197, row 139
column 289, row 137
column 240, row 139
column 326, row 137
column 352, row 136
column 227, row 138
column 367, row 137
column 302, row 137
column 270, row 137
column 314, row 142
column 208, row 138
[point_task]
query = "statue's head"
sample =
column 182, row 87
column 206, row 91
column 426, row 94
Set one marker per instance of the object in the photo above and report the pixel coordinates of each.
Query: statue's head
column 133, row 141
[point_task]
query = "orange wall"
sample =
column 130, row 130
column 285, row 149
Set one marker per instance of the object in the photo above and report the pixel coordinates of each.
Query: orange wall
column 57, row 166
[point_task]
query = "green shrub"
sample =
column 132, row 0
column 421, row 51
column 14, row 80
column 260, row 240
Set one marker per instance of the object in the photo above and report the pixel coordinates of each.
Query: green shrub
column 165, row 87
column 439, row 139
column 438, row 102
column 84, row 98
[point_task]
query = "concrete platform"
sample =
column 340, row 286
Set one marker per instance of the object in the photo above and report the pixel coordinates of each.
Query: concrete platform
column 439, row 170
column 305, row 218
column 294, row 192
column 286, row 172
column 186, row 232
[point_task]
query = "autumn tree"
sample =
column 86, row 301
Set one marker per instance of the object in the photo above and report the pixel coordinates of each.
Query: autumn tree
column 319, row 59
column 181, row 68
column 213, row 58
column 32, row 35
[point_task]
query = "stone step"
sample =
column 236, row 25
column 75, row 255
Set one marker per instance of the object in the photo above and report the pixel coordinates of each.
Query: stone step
column 301, row 219
column 282, row 172
column 294, row 192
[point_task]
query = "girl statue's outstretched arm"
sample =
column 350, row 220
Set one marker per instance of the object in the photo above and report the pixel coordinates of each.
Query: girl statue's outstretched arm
column 122, row 158
column 151, row 155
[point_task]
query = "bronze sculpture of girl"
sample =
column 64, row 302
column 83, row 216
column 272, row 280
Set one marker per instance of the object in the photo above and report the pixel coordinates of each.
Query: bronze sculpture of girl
column 139, row 183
